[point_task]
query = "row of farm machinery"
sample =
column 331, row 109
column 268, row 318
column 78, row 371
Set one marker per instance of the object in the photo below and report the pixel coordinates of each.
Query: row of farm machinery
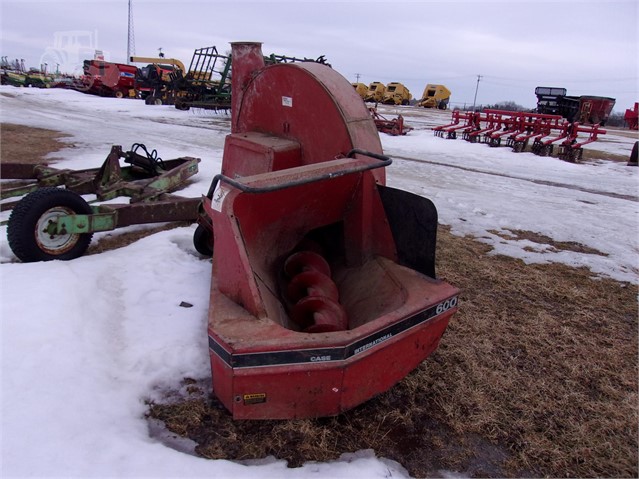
column 205, row 84
column 560, row 124
column 395, row 93
column 518, row 130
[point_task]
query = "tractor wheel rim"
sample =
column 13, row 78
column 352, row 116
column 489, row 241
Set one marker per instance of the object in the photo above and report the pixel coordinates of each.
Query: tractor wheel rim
column 57, row 243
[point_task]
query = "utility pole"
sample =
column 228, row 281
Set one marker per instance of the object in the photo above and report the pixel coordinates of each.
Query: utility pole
column 357, row 75
column 476, row 88
column 130, row 44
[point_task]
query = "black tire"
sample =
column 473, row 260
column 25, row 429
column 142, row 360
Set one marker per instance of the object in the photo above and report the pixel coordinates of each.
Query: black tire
column 25, row 230
column 203, row 241
column 180, row 105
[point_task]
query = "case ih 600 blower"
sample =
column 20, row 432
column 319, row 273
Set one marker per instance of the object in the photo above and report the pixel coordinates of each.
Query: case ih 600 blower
column 323, row 289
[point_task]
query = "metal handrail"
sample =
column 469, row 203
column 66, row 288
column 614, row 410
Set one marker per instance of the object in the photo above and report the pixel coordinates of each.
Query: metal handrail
column 384, row 161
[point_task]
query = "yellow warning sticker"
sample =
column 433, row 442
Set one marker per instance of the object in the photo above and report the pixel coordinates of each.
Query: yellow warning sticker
column 255, row 398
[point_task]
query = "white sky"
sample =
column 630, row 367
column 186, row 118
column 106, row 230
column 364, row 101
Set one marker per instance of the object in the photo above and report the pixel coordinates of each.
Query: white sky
column 587, row 47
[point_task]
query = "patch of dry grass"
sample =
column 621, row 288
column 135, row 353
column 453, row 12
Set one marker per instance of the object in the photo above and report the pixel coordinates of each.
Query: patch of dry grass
column 552, row 371
column 536, row 376
column 20, row 144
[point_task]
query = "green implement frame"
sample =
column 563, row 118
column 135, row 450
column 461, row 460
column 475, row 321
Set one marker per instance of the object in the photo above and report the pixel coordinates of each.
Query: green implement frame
column 53, row 221
column 207, row 83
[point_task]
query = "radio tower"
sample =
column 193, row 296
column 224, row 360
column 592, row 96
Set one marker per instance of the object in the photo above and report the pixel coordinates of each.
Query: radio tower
column 130, row 44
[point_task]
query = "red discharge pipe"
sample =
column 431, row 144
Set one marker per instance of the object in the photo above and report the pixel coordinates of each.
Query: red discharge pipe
column 247, row 58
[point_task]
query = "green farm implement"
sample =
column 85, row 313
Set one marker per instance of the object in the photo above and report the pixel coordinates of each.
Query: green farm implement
column 53, row 220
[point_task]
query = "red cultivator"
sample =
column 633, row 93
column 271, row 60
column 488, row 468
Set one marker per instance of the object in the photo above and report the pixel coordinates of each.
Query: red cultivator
column 394, row 127
column 324, row 291
column 569, row 148
column 519, row 129
column 462, row 120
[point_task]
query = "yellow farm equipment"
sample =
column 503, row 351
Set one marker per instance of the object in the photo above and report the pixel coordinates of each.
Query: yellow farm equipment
column 375, row 93
column 361, row 89
column 435, row 96
column 396, row 94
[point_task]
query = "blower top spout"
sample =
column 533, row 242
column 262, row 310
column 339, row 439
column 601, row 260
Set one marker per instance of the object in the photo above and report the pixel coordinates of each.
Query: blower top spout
column 247, row 58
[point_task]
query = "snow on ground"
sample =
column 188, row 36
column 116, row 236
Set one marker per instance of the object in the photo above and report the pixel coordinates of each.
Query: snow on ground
column 85, row 343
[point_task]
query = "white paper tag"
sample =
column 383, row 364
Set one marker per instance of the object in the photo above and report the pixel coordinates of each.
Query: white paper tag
column 218, row 197
column 287, row 101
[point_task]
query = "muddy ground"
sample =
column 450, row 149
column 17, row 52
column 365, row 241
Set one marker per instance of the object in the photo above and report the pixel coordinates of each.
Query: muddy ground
column 537, row 375
column 19, row 144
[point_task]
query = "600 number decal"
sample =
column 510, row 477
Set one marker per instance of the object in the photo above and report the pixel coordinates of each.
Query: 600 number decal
column 446, row 305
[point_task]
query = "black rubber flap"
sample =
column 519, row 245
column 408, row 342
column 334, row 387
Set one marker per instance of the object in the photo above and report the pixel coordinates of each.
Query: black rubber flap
column 413, row 222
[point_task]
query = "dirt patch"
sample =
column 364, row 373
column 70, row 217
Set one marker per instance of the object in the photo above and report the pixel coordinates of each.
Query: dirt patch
column 21, row 144
column 536, row 376
column 546, row 240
